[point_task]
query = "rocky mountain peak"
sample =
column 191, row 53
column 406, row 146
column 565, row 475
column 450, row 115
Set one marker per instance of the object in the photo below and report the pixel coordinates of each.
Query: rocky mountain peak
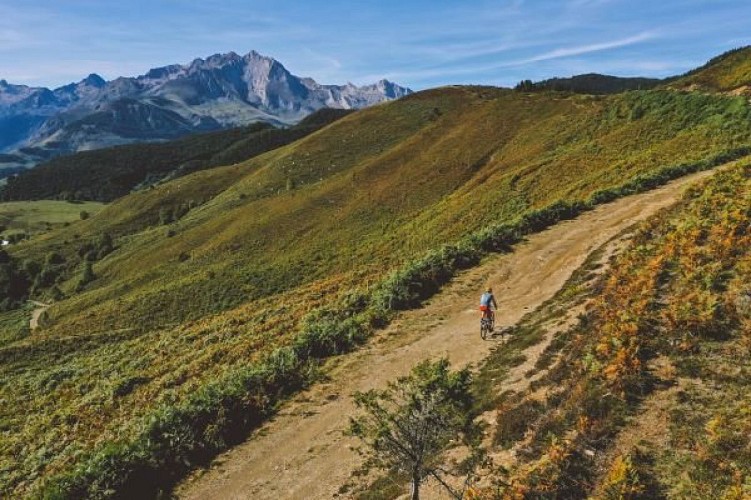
column 222, row 90
column 94, row 80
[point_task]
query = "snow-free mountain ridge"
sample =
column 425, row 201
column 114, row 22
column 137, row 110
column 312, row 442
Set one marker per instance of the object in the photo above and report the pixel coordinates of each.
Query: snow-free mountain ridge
column 223, row 90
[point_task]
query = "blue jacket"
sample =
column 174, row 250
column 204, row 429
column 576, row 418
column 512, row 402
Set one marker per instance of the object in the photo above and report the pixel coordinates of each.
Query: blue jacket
column 487, row 299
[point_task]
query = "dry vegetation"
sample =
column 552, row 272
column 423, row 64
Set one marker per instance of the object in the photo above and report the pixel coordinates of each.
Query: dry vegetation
column 647, row 397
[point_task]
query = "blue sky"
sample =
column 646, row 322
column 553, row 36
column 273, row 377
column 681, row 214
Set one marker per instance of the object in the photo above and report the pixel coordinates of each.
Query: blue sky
column 418, row 43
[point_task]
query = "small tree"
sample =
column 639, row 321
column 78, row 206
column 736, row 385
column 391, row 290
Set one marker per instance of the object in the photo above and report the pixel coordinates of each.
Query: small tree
column 525, row 86
column 104, row 245
column 165, row 216
column 87, row 276
column 408, row 425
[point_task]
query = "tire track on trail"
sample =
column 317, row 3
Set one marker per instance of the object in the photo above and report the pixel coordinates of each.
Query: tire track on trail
column 302, row 452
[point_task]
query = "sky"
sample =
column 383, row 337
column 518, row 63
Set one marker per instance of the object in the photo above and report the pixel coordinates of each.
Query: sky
column 416, row 43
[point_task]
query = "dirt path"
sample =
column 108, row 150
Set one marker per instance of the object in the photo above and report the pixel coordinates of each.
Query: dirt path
column 303, row 454
column 37, row 313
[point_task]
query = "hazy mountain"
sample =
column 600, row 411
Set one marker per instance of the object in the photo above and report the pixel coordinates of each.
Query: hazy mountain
column 223, row 90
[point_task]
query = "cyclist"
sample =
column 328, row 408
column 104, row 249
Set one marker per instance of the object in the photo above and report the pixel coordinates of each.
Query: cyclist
column 486, row 301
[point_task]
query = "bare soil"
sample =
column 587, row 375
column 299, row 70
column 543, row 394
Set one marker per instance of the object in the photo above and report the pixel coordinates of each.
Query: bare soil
column 37, row 313
column 303, row 452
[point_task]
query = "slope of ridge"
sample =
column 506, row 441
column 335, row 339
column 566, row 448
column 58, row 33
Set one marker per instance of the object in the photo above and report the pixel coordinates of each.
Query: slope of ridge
column 404, row 182
column 303, row 453
column 729, row 72
column 109, row 173
column 647, row 395
column 178, row 309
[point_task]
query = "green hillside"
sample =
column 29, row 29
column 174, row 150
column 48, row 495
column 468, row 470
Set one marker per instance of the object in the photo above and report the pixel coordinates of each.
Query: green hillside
column 188, row 308
column 107, row 174
column 31, row 217
column 725, row 73
column 648, row 395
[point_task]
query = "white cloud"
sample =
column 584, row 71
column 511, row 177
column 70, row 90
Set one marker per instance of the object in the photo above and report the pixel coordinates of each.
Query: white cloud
column 589, row 48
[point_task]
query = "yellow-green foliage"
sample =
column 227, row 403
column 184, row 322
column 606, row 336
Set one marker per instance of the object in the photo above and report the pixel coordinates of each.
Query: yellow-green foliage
column 622, row 480
column 177, row 307
column 723, row 73
column 38, row 216
column 680, row 293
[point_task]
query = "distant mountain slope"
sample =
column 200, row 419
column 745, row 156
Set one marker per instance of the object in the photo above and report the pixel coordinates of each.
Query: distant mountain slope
column 224, row 90
column 591, row 83
column 107, row 174
column 729, row 72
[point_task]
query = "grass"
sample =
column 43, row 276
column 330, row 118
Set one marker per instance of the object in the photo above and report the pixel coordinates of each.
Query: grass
column 383, row 207
column 676, row 298
column 724, row 73
column 14, row 325
column 34, row 217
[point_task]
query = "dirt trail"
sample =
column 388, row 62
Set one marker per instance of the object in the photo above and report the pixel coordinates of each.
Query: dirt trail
column 37, row 313
column 302, row 453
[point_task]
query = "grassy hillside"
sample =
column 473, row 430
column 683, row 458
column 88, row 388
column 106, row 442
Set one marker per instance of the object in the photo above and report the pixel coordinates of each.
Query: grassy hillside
column 725, row 73
column 178, row 332
column 107, row 174
column 32, row 217
column 648, row 396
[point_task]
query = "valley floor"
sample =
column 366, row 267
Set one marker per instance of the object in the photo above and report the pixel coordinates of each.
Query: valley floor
column 303, row 452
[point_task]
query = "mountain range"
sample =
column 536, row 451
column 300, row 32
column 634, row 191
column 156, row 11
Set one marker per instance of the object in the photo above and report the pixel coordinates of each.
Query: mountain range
column 221, row 91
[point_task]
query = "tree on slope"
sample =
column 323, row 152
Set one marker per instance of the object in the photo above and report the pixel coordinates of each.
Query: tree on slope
column 409, row 424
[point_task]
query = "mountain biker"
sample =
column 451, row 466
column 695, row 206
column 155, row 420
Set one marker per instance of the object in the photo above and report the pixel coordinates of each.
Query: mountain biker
column 486, row 301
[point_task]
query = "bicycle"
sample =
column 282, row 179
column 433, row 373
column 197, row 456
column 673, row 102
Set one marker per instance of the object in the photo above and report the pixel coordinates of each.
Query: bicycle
column 487, row 323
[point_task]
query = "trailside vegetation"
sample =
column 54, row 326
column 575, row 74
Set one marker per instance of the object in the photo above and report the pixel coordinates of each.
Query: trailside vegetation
column 647, row 396
column 408, row 425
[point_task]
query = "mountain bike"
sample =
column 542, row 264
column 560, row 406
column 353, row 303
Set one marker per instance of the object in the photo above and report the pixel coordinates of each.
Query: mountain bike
column 487, row 323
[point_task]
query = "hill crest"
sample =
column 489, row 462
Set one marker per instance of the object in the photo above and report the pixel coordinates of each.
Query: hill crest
column 728, row 73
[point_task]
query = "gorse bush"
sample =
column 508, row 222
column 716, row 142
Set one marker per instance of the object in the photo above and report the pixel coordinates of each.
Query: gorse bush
column 15, row 281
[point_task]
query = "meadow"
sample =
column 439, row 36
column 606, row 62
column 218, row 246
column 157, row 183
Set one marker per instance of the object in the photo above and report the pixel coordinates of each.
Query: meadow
column 33, row 217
